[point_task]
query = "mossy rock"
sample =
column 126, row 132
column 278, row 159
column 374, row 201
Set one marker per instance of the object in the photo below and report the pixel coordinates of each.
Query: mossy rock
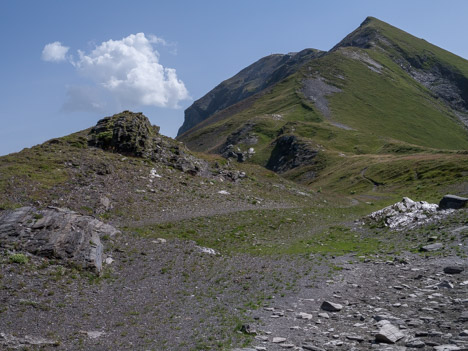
column 127, row 132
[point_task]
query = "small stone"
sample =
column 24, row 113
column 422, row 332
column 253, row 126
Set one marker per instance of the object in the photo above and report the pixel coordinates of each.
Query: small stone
column 415, row 343
column 389, row 334
column 355, row 338
column 94, row 334
column 109, row 260
column 311, row 347
column 446, row 348
column 432, row 247
column 287, row 346
column 278, row 340
column 463, row 317
column 303, row 315
column 453, row 270
column 331, row 307
column 464, row 333
column 261, row 338
column 445, row 284
column 247, row 329
column 324, row 315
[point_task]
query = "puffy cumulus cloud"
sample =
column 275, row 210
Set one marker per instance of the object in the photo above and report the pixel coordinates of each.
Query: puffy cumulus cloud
column 130, row 70
column 54, row 52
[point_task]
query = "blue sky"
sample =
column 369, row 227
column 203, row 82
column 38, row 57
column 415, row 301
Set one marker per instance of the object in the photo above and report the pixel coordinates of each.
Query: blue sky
column 198, row 45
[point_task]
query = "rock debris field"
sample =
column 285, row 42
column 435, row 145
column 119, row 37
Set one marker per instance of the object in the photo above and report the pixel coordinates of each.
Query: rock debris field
column 414, row 304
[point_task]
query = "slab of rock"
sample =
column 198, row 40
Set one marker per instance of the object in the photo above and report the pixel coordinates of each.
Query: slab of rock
column 415, row 344
column 331, row 306
column 446, row 348
column 303, row 315
column 14, row 342
column 453, row 269
column 389, row 334
column 311, row 347
column 463, row 317
column 278, row 340
column 56, row 233
column 453, row 202
column 432, row 247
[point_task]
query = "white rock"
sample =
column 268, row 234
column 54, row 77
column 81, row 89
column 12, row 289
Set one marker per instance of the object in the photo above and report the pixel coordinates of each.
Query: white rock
column 208, row 250
column 94, row 334
column 303, row 315
column 408, row 213
column 278, row 340
column 223, row 192
column 109, row 260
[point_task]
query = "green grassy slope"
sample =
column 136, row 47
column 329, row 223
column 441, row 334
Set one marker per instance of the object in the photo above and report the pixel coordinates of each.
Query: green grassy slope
column 387, row 110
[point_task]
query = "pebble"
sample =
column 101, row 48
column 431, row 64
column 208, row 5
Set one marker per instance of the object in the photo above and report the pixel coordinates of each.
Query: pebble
column 278, row 340
column 331, row 306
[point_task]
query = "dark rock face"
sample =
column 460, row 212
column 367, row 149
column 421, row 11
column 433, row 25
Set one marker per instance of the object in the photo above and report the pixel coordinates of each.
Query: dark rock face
column 452, row 201
column 243, row 136
column 260, row 75
column 56, row 233
column 290, row 152
column 132, row 134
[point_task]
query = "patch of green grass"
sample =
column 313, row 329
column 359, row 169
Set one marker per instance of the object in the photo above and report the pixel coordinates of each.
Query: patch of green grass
column 18, row 258
column 270, row 232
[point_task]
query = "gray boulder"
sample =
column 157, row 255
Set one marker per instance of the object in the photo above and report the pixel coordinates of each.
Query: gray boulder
column 452, row 201
column 55, row 233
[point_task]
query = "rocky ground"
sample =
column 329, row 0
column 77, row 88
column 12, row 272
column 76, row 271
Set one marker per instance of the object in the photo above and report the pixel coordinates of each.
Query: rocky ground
column 411, row 304
column 158, row 294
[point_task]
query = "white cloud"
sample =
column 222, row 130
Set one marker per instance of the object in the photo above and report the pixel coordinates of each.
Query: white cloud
column 122, row 73
column 54, row 52
column 130, row 70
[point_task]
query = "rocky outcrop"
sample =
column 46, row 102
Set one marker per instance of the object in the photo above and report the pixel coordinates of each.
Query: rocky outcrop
column 56, row 233
column 291, row 152
column 126, row 133
column 260, row 75
column 132, row 134
column 243, row 137
column 406, row 213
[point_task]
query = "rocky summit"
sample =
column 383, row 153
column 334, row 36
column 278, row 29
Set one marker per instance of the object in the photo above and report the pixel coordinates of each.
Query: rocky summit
column 314, row 201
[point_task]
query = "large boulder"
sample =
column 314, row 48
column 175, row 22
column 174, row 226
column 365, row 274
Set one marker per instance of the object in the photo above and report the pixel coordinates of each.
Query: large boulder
column 453, row 202
column 56, row 233
column 126, row 133
column 132, row 134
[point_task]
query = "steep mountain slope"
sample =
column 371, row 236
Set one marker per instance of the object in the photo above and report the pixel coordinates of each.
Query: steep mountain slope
column 380, row 91
column 251, row 80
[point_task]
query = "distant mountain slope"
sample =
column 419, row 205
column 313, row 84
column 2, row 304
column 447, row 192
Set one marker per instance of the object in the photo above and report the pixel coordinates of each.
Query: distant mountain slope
column 379, row 92
column 251, row 80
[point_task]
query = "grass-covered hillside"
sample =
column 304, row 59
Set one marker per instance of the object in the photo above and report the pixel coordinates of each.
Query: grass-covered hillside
column 382, row 104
